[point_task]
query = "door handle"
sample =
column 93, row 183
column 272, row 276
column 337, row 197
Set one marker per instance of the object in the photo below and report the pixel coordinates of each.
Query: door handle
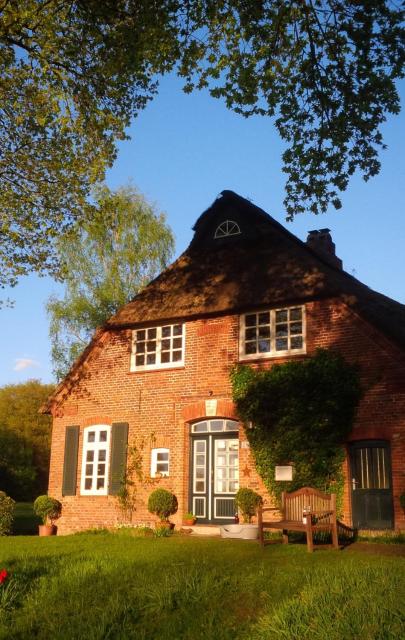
column 354, row 483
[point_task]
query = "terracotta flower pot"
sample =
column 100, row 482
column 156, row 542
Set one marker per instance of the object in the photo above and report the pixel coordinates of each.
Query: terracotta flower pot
column 189, row 522
column 47, row 530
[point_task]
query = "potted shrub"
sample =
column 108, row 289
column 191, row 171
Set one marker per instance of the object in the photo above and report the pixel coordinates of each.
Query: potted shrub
column 163, row 503
column 48, row 509
column 189, row 519
column 247, row 502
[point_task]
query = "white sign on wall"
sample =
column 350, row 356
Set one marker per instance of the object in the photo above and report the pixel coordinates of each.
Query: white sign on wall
column 210, row 408
column 284, row 472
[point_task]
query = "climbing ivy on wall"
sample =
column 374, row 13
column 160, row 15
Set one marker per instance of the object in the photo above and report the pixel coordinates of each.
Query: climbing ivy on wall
column 300, row 412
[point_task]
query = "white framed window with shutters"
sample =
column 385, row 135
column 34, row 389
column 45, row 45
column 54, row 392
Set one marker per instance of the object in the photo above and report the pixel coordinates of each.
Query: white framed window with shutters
column 158, row 347
column 272, row 333
column 95, row 460
column 160, row 462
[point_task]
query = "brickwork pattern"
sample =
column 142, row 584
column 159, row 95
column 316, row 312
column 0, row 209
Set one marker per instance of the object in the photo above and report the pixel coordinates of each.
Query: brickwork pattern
column 159, row 405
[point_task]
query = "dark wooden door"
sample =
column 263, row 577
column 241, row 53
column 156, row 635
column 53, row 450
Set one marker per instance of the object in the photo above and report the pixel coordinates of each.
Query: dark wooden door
column 370, row 462
column 214, row 470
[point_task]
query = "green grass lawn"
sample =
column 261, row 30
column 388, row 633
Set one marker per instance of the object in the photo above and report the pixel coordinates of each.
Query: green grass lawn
column 109, row 586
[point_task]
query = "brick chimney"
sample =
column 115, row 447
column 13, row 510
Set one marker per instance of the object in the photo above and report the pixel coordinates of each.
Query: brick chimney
column 321, row 242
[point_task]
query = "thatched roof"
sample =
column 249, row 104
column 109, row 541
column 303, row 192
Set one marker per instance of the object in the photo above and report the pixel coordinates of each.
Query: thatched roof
column 263, row 266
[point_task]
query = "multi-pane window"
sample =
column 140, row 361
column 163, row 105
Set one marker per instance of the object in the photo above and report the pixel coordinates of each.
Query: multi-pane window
column 273, row 332
column 158, row 347
column 226, row 466
column 159, row 462
column 95, row 461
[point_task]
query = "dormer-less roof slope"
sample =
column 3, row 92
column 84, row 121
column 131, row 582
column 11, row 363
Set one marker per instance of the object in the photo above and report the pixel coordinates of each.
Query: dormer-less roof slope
column 263, row 266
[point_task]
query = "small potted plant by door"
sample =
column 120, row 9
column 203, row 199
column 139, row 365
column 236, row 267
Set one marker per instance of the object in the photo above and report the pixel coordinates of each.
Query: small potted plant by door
column 189, row 519
column 48, row 509
column 247, row 502
column 163, row 503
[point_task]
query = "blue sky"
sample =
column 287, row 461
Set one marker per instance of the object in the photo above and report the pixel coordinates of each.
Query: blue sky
column 185, row 149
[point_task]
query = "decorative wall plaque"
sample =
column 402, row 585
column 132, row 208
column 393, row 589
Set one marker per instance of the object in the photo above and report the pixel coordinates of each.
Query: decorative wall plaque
column 210, row 408
column 284, row 472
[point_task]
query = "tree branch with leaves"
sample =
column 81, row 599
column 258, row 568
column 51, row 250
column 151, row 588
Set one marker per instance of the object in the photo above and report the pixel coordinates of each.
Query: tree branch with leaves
column 74, row 73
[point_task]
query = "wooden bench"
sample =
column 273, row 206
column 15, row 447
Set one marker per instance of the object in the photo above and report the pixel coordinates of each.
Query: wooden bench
column 322, row 516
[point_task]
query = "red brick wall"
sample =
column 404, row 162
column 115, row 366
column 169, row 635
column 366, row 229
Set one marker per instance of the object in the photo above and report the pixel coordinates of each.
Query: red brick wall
column 158, row 405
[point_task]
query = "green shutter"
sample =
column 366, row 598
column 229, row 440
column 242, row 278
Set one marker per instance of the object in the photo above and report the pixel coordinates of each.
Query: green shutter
column 70, row 461
column 119, row 440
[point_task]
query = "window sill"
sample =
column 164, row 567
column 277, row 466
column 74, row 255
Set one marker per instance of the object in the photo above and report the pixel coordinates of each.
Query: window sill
column 272, row 356
column 153, row 369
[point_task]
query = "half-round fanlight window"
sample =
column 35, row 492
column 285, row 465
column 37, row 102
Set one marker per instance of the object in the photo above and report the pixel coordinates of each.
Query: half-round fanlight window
column 227, row 228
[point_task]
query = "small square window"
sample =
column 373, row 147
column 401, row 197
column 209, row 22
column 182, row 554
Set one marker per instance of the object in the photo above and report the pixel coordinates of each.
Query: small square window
column 91, row 436
column 103, row 436
column 159, row 462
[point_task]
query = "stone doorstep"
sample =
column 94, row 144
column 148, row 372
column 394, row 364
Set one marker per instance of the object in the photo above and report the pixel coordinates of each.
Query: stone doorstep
column 204, row 530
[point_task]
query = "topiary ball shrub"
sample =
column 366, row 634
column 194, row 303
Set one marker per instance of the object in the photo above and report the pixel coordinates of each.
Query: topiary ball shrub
column 6, row 514
column 47, row 508
column 163, row 503
column 247, row 501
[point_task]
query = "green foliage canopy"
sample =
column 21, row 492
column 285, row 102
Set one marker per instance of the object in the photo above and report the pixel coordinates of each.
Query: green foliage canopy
column 107, row 259
column 73, row 73
column 300, row 412
column 25, row 439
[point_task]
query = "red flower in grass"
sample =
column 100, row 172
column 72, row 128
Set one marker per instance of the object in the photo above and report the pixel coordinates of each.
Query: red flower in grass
column 3, row 576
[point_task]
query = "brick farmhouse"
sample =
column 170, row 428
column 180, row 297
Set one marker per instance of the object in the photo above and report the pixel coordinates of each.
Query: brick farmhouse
column 156, row 376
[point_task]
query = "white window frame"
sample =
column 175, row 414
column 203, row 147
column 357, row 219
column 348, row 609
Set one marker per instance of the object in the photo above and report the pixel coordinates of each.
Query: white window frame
column 154, row 462
column 272, row 353
column 158, row 364
column 96, row 446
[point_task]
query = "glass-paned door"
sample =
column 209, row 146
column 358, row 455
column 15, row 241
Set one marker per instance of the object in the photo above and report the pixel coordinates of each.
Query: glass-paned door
column 214, row 470
column 370, row 463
